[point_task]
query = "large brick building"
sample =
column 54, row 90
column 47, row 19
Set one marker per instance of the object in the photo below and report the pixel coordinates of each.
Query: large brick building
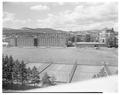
column 31, row 38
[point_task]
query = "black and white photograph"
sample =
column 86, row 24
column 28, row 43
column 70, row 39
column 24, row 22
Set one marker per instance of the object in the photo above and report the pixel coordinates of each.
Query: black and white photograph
column 60, row 47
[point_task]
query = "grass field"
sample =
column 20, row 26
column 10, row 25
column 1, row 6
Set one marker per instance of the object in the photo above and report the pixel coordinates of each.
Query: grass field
column 89, row 56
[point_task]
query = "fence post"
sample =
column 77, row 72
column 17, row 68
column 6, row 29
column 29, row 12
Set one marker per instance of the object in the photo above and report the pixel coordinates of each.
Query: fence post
column 72, row 72
column 107, row 69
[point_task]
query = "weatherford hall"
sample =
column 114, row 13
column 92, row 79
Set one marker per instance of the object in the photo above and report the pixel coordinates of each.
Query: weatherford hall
column 33, row 37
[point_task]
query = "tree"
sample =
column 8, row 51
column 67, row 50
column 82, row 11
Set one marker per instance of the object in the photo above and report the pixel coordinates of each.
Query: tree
column 78, row 38
column 52, row 79
column 115, row 42
column 73, row 39
column 10, row 71
column 112, row 42
column 87, row 38
column 29, row 75
column 69, row 43
column 35, row 76
column 16, row 69
column 4, row 68
column 94, row 76
column 23, row 72
column 46, row 80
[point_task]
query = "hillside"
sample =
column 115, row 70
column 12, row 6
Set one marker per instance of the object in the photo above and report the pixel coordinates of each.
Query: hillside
column 31, row 30
column 25, row 30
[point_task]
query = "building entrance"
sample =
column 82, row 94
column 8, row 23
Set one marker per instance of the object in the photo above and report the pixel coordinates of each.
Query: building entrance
column 35, row 42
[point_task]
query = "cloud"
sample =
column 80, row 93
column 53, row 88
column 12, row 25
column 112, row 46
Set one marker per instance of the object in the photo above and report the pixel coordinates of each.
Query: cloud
column 84, row 17
column 94, row 13
column 61, row 3
column 9, row 20
column 39, row 7
column 8, row 16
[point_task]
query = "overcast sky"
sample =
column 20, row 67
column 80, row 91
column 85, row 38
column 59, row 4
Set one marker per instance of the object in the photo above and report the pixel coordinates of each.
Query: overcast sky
column 69, row 16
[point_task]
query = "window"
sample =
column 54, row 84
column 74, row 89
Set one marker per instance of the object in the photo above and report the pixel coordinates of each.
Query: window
column 103, row 41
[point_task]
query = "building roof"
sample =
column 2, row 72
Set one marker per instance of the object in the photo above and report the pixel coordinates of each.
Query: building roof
column 88, row 43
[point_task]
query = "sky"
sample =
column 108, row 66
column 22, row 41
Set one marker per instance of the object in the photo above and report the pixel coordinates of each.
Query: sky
column 68, row 16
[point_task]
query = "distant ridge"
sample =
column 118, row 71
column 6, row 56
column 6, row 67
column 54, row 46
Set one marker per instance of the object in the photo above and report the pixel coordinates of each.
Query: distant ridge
column 46, row 30
column 31, row 30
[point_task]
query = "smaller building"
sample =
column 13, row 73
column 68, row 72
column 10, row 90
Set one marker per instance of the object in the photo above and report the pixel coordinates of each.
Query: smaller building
column 106, row 34
column 89, row 44
column 5, row 44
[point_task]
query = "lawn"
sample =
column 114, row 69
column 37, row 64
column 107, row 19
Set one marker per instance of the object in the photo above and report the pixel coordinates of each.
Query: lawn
column 85, row 56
